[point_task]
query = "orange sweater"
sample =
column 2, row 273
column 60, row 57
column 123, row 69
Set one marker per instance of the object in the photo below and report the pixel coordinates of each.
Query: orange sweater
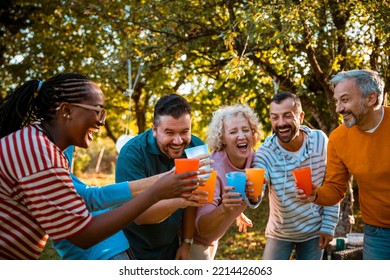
column 367, row 157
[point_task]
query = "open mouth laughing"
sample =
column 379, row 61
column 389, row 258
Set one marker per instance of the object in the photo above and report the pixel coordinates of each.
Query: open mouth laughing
column 91, row 131
column 243, row 147
column 284, row 131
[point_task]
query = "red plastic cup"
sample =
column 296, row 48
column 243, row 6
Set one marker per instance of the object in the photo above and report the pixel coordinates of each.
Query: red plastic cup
column 303, row 180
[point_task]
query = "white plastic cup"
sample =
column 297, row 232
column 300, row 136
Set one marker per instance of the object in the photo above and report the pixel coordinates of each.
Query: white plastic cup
column 197, row 151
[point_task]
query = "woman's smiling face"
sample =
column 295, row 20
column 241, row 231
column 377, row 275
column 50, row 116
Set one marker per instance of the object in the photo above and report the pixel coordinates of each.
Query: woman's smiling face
column 84, row 121
column 238, row 139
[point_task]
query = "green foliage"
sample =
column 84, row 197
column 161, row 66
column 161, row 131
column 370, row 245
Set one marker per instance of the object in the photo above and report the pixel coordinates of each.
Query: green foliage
column 86, row 160
column 214, row 52
column 81, row 162
column 49, row 253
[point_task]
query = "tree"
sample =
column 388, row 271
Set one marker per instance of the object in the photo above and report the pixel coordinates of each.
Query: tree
column 291, row 45
column 215, row 52
column 220, row 50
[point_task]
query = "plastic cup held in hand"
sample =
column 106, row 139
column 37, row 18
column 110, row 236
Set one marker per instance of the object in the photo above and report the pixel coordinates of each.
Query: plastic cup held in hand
column 238, row 181
column 209, row 187
column 303, row 180
column 197, row 151
column 186, row 164
column 256, row 176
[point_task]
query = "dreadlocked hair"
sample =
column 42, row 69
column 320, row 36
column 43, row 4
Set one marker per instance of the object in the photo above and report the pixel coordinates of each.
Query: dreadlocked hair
column 28, row 103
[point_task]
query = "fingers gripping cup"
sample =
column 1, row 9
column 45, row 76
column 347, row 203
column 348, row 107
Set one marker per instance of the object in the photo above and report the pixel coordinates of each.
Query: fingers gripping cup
column 256, row 176
column 185, row 165
column 197, row 151
column 238, row 181
column 209, row 187
column 302, row 178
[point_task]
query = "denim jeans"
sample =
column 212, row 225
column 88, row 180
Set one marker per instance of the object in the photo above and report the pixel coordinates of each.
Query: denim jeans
column 376, row 244
column 125, row 255
column 281, row 250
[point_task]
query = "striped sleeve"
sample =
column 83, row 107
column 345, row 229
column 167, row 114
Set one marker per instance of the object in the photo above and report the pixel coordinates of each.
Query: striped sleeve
column 37, row 196
column 54, row 203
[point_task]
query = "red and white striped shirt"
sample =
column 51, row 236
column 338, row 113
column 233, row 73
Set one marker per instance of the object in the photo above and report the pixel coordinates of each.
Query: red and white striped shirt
column 37, row 197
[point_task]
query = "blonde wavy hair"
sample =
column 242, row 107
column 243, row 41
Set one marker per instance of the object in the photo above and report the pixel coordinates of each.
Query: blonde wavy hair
column 216, row 129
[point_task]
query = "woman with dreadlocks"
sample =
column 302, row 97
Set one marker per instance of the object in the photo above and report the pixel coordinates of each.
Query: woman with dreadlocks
column 38, row 121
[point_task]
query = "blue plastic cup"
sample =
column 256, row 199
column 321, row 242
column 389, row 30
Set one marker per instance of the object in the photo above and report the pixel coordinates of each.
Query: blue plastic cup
column 237, row 180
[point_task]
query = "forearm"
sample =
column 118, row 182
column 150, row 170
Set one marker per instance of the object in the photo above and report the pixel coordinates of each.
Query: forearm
column 189, row 222
column 159, row 211
column 106, row 224
column 98, row 198
column 212, row 221
column 188, row 229
column 330, row 195
column 336, row 181
column 330, row 219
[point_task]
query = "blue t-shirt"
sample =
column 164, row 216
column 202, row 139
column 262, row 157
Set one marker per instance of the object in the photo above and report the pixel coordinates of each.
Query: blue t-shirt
column 139, row 158
column 96, row 198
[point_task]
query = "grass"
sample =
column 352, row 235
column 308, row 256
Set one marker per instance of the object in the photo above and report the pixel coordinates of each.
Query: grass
column 245, row 246
column 233, row 245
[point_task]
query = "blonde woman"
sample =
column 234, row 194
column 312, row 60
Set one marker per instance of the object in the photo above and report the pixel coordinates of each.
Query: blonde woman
column 232, row 135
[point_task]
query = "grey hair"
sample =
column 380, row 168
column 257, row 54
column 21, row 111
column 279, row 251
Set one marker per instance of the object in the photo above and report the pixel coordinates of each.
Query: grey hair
column 216, row 129
column 366, row 81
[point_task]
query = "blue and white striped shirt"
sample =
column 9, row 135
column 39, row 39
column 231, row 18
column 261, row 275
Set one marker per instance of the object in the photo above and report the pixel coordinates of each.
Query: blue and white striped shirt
column 290, row 219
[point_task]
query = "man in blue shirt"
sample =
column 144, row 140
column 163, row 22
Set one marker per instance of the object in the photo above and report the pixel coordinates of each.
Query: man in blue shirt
column 155, row 233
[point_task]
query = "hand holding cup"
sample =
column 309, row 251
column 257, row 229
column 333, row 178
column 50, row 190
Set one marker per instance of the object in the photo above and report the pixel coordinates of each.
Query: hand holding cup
column 256, row 177
column 202, row 153
column 303, row 179
column 209, row 187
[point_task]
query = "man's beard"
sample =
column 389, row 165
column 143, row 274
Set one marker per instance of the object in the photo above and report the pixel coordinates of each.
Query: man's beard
column 356, row 117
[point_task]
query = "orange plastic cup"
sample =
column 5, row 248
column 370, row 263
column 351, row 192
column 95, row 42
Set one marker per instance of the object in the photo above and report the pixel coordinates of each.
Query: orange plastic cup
column 302, row 177
column 185, row 165
column 209, row 187
column 256, row 176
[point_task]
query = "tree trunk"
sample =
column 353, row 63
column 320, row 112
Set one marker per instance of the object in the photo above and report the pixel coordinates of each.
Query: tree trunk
column 99, row 161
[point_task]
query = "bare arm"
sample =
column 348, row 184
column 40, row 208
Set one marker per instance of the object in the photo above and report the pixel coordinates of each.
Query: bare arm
column 165, row 208
column 183, row 252
column 230, row 209
column 138, row 186
column 160, row 211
